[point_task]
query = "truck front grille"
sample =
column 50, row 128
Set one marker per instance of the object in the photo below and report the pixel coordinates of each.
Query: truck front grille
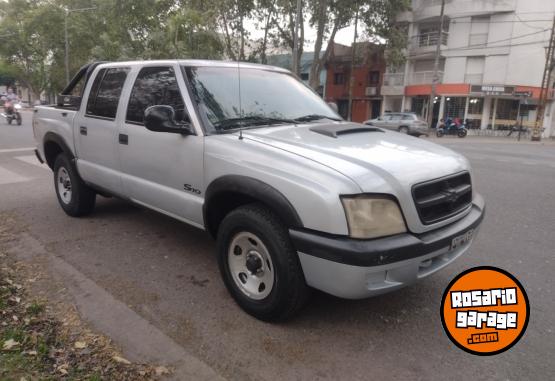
column 439, row 199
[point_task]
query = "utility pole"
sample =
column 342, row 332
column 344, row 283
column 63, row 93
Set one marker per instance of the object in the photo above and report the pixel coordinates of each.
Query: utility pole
column 536, row 131
column 66, row 58
column 435, row 78
column 295, row 65
column 352, row 74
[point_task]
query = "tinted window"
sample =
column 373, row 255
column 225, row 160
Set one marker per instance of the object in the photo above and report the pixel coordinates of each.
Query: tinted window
column 105, row 92
column 155, row 86
column 408, row 117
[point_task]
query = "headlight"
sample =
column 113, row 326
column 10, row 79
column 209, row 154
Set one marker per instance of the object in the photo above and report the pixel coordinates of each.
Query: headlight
column 371, row 217
column 17, row 106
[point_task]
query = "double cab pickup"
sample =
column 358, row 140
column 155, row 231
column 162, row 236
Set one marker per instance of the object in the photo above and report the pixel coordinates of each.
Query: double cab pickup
column 296, row 197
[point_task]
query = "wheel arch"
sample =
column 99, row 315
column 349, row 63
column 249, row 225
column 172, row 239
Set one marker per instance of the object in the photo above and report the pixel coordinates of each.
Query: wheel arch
column 231, row 191
column 54, row 144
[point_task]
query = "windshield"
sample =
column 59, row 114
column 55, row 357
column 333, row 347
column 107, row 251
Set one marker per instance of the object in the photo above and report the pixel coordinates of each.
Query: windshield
column 267, row 98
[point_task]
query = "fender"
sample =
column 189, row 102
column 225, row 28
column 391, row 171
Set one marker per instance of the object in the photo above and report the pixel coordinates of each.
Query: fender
column 249, row 188
column 55, row 138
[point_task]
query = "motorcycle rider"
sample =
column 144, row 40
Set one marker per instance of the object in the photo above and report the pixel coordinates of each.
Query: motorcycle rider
column 11, row 98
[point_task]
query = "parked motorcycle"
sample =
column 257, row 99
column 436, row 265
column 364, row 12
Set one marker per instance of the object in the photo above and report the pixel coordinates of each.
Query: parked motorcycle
column 452, row 128
column 12, row 111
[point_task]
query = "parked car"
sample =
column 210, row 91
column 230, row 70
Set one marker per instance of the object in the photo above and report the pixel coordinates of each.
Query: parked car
column 296, row 197
column 403, row 122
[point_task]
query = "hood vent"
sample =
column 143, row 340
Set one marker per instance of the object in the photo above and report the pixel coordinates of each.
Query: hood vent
column 335, row 130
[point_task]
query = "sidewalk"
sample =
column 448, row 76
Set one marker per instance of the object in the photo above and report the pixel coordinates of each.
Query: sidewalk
column 492, row 140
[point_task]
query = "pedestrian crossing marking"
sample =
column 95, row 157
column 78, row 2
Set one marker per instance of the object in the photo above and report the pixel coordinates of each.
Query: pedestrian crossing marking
column 30, row 159
column 9, row 177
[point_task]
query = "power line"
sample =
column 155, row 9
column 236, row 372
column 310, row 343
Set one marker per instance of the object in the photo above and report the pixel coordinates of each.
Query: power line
column 497, row 46
column 501, row 22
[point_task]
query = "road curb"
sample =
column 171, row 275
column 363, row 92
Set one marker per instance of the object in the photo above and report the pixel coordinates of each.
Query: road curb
column 140, row 341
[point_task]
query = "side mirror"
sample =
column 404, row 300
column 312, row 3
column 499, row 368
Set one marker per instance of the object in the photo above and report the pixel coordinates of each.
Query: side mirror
column 333, row 106
column 161, row 118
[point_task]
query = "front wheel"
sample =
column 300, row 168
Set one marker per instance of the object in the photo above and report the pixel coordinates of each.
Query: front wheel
column 9, row 119
column 462, row 133
column 74, row 196
column 440, row 133
column 404, row 130
column 18, row 118
column 259, row 265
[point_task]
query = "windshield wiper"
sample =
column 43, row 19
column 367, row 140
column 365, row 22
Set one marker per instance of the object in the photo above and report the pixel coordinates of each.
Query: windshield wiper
column 311, row 117
column 247, row 121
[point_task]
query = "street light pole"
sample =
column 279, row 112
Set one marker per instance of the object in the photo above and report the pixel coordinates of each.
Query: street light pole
column 66, row 58
column 435, row 78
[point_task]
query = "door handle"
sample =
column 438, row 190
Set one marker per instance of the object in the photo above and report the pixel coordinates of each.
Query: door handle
column 83, row 130
column 64, row 114
column 123, row 139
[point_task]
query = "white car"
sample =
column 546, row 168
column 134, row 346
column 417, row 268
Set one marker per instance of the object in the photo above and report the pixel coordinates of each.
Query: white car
column 296, row 197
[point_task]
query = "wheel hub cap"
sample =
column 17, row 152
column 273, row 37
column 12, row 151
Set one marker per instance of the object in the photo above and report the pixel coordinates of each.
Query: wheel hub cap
column 64, row 185
column 250, row 265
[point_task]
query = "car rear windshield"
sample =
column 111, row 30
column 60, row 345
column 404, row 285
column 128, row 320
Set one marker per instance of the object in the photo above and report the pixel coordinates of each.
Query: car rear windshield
column 228, row 94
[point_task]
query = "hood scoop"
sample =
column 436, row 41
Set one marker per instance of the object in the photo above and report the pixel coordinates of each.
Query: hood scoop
column 335, row 130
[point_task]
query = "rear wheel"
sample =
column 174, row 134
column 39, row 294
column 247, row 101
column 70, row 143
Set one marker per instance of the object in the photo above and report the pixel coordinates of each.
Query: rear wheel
column 462, row 133
column 74, row 196
column 440, row 133
column 259, row 265
column 18, row 118
column 404, row 130
column 9, row 119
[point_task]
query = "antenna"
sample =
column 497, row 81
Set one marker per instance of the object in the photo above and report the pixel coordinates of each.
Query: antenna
column 240, row 103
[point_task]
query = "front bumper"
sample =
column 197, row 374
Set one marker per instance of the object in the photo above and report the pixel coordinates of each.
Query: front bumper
column 354, row 269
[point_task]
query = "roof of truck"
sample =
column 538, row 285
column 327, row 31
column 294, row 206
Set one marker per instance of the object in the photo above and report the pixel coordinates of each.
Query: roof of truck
column 196, row 63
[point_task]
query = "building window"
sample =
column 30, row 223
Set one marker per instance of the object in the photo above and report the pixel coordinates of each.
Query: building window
column 475, row 106
column 474, row 73
column 374, row 77
column 339, row 78
column 479, row 30
column 418, row 104
column 506, row 113
column 304, row 76
column 454, row 107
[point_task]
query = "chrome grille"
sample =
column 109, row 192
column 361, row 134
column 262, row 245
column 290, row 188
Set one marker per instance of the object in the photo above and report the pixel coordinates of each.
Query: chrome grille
column 439, row 199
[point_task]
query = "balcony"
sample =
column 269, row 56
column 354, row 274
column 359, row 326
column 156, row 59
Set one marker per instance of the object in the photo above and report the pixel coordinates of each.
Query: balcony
column 426, row 43
column 424, row 77
column 393, row 84
column 474, row 79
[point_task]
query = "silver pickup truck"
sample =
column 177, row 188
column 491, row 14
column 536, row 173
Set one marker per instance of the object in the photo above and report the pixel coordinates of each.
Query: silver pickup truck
column 296, row 197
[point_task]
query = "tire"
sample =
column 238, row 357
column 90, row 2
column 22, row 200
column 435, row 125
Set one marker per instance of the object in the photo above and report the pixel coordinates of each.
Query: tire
column 75, row 197
column 19, row 119
column 9, row 120
column 255, row 236
column 440, row 133
column 404, row 130
column 462, row 133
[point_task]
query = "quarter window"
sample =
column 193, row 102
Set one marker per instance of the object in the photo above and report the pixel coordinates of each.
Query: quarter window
column 105, row 92
column 155, row 86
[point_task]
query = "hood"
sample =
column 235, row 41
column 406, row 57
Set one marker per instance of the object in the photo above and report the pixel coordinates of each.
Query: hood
column 376, row 159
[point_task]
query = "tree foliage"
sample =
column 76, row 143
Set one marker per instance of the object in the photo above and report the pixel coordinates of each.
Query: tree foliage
column 33, row 43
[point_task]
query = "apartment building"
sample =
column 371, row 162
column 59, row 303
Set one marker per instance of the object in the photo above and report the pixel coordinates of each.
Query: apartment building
column 492, row 58
column 367, row 73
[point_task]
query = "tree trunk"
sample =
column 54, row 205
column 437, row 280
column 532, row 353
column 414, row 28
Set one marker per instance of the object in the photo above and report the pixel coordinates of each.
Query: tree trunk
column 315, row 68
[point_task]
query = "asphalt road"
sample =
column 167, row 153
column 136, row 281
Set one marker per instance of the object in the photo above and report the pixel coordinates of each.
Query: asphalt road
column 166, row 272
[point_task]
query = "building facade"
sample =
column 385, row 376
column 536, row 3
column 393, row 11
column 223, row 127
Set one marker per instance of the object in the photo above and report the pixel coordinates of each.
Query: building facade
column 491, row 63
column 286, row 61
column 368, row 75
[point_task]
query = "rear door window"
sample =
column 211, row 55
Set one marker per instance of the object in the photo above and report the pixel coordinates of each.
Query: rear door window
column 155, row 86
column 105, row 93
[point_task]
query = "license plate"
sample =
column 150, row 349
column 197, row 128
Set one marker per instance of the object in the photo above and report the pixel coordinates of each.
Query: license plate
column 462, row 239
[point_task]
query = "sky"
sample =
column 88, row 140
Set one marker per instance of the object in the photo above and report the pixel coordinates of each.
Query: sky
column 344, row 36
